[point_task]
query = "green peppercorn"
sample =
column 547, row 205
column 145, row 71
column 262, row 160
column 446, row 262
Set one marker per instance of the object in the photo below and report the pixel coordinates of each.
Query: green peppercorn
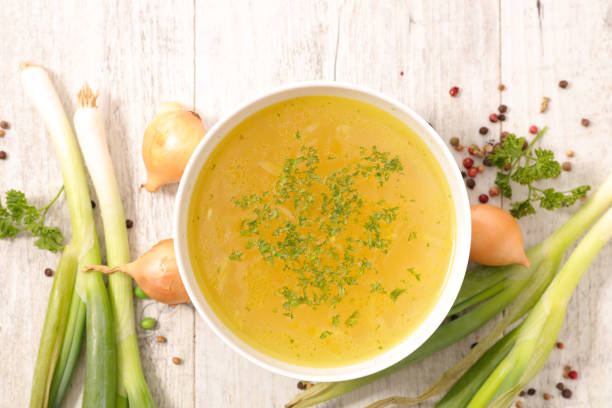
column 147, row 323
column 140, row 293
column 454, row 141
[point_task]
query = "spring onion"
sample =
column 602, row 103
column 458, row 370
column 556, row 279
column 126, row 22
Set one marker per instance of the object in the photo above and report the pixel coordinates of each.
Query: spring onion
column 487, row 291
column 89, row 127
column 81, row 297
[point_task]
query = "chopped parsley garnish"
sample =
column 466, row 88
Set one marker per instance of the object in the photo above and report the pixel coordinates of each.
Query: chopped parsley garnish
column 352, row 319
column 302, row 225
column 526, row 166
column 377, row 288
column 236, row 256
column 413, row 272
column 412, row 236
column 336, row 320
column 396, row 293
column 19, row 215
column 325, row 334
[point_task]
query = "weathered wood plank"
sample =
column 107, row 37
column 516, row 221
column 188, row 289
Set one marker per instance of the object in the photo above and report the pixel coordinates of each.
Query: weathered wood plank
column 544, row 42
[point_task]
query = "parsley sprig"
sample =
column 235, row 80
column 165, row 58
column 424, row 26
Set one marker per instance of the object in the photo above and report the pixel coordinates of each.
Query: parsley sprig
column 519, row 162
column 18, row 215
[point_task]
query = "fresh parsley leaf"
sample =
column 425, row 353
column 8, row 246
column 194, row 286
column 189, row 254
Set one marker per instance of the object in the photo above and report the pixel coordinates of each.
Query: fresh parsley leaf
column 521, row 208
column 519, row 162
column 412, row 235
column 396, row 293
column 336, row 320
column 19, row 215
column 503, row 182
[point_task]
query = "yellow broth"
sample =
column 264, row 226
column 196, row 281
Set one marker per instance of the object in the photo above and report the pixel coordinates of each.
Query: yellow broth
column 388, row 299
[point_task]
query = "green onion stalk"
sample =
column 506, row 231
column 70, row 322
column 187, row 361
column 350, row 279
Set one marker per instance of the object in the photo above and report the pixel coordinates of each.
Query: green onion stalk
column 81, row 297
column 132, row 386
column 506, row 368
column 485, row 292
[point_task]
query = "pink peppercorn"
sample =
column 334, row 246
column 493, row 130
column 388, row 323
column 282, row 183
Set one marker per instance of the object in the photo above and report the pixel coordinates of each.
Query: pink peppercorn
column 454, row 91
column 493, row 117
column 483, row 198
column 472, row 171
column 533, row 129
column 468, row 162
column 573, row 374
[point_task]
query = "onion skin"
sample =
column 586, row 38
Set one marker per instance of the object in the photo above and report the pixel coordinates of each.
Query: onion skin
column 496, row 237
column 168, row 142
column 156, row 273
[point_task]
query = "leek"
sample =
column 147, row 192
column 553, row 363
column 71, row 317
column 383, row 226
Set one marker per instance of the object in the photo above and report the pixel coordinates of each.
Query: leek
column 489, row 290
column 75, row 299
column 89, row 128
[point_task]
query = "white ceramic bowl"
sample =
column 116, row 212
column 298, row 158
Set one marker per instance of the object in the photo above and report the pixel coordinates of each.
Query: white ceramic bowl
column 462, row 239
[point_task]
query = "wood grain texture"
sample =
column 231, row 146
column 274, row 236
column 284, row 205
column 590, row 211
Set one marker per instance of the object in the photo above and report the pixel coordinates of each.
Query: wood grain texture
column 216, row 55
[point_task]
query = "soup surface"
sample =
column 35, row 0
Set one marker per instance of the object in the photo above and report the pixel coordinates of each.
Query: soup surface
column 321, row 231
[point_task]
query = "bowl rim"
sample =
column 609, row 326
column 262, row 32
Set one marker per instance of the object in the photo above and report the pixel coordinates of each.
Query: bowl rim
column 459, row 259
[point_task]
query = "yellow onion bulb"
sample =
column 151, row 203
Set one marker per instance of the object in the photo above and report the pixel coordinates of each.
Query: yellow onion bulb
column 168, row 143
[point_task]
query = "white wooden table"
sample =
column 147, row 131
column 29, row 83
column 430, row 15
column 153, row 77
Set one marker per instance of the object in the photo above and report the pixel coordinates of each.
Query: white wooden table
column 215, row 55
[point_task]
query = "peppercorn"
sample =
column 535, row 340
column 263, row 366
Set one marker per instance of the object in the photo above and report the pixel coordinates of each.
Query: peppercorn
column 494, row 191
column 585, row 122
column 459, row 148
column 483, row 130
column 519, row 404
column 563, row 84
column 487, row 162
column 567, row 393
column 501, row 117
column 501, row 87
column 531, row 391
column 522, row 393
column 567, row 166
column 483, row 198
column 2, row 155
column 533, row 129
column 4, row 124
column 161, row 339
column 502, row 108
column 301, row 385
column 129, row 224
column 507, row 166
column 560, row 345
column 454, row 91
column 565, row 375
column 567, row 368
column 481, row 169
column 503, row 135
column 547, row 396
column 493, row 117
column 569, row 153
column 468, row 162
column 573, row 374
column 470, row 183
column 48, row 271
column 560, row 386
column 454, row 141
column 402, row 73
column 176, row 360
column 472, row 172
column 463, row 174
